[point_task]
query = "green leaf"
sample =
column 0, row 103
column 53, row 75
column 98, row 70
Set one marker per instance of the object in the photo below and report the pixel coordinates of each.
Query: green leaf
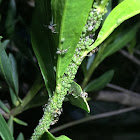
column 14, row 98
column 70, row 17
column 123, row 38
column 13, row 94
column 63, row 138
column 5, row 43
column 43, row 43
column 20, row 136
column 47, row 136
column 18, row 121
column 6, row 68
column 76, row 97
column 10, row 19
column 100, row 82
column 122, row 12
column 4, row 130
column 11, row 124
column 40, row 99
column 14, row 72
column 2, row 105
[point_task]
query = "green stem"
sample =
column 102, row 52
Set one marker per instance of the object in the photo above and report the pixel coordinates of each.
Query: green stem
column 38, row 84
column 63, row 84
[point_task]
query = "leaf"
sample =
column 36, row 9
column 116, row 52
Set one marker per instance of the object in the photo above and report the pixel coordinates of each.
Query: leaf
column 48, row 136
column 18, row 121
column 14, row 72
column 70, row 17
column 10, row 19
column 63, row 138
column 20, row 136
column 5, row 43
column 122, row 12
column 75, row 97
column 100, row 82
column 5, row 67
column 2, row 105
column 42, row 43
column 40, row 99
column 4, row 130
column 124, row 38
column 11, row 125
column 14, row 97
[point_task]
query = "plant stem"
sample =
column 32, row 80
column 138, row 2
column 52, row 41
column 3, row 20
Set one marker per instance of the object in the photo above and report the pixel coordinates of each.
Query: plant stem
column 63, row 84
column 38, row 84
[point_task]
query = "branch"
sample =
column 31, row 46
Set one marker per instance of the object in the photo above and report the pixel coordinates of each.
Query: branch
column 119, row 97
column 98, row 116
column 123, row 90
column 130, row 57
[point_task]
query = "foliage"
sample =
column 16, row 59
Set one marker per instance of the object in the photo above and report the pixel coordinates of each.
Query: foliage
column 63, row 33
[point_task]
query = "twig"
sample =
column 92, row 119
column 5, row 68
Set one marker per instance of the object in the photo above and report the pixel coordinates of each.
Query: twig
column 119, row 97
column 130, row 57
column 98, row 116
column 123, row 90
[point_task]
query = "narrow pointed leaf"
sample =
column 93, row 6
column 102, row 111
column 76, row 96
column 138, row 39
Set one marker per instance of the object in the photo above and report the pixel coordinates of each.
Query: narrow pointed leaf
column 47, row 136
column 20, row 136
column 122, row 12
column 14, row 72
column 11, row 125
column 5, row 67
column 62, row 138
column 5, row 43
column 4, row 130
column 100, row 82
column 75, row 97
column 70, row 17
column 2, row 105
column 10, row 19
column 18, row 121
column 42, row 42
column 121, row 41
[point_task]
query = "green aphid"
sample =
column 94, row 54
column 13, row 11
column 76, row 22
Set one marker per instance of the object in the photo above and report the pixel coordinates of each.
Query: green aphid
column 74, row 59
column 84, row 30
column 83, row 47
column 62, row 40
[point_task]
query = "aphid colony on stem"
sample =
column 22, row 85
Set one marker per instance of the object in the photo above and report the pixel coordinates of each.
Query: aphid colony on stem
column 51, row 112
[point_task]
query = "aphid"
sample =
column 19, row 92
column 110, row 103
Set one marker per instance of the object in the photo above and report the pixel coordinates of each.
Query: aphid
column 90, row 28
column 51, row 27
column 62, row 52
column 84, row 95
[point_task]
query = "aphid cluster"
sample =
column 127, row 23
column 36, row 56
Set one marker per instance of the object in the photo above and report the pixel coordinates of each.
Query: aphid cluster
column 56, row 115
column 51, row 112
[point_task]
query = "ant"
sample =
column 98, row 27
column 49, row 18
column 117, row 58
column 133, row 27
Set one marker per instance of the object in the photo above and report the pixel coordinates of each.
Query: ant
column 93, row 51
